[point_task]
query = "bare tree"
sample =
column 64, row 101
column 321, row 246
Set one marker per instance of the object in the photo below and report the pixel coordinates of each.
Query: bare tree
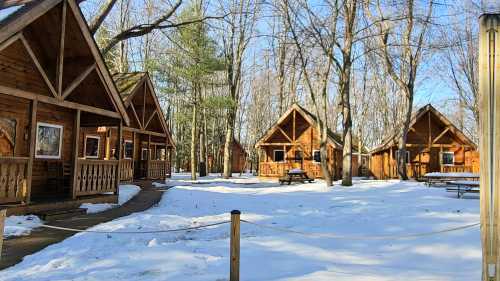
column 401, row 42
column 236, row 33
column 318, row 95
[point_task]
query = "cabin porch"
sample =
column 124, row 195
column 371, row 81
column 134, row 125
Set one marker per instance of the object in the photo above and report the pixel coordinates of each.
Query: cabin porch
column 422, row 160
column 146, row 156
column 38, row 166
column 276, row 160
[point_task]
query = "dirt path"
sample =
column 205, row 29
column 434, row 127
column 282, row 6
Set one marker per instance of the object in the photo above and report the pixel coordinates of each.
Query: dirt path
column 15, row 249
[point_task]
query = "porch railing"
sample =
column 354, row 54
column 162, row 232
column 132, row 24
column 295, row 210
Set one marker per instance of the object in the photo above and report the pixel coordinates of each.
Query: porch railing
column 157, row 169
column 95, row 177
column 417, row 170
column 273, row 169
column 456, row 169
column 126, row 169
column 13, row 180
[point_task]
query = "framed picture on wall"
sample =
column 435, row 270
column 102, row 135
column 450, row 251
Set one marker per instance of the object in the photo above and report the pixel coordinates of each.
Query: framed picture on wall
column 92, row 144
column 48, row 140
column 7, row 136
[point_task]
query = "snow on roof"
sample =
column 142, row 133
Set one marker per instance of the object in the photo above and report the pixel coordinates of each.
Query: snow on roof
column 5, row 13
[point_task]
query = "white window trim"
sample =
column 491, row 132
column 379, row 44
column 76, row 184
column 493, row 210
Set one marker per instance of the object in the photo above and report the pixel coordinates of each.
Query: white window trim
column 38, row 156
column 314, row 160
column 453, row 158
column 408, row 158
column 124, row 150
column 98, row 147
column 274, row 155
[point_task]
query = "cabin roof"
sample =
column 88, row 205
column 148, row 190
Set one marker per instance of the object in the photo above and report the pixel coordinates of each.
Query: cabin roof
column 334, row 138
column 392, row 140
column 15, row 15
column 127, row 82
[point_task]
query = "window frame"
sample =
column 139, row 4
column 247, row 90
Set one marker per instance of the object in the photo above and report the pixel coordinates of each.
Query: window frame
column 148, row 155
column 408, row 158
column 44, row 124
column 314, row 159
column 98, row 146
column 452, row 158
column 274, row 155
column 125, row 149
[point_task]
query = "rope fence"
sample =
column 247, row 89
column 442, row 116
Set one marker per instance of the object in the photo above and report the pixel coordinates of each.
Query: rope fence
column 134, row 232
column 350, row 237
column 235, row 234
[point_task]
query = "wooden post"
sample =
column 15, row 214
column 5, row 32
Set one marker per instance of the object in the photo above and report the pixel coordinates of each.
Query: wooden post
column 3, row 214
column 234, row 272
column 76, row 139
column 489, row 109
column 119, row 155
column 32, row 135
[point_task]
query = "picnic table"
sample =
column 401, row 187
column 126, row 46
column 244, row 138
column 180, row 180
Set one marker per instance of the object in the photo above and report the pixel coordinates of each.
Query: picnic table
column 443, row 178
column 462, row 187
column 295, row 175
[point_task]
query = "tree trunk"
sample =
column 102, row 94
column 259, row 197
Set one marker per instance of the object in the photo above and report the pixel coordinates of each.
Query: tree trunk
column 345, row 83
column 402, row 140
column 228, row 144
column 323, row 150
column 194, row 139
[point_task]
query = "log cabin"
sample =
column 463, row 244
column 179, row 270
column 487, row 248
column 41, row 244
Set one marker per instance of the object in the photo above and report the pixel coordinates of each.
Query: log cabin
column 434, row 144
column 148, row 143
column 54, row 84
column 293, row 143
column 238, row 160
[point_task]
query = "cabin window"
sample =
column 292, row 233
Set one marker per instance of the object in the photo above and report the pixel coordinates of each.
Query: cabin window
column 145, row 154
column 316, row 156
column 129, row 149
column 48, row 140
column 279, row 156
column 447, row 158
column 408, row 159
column 92, row 146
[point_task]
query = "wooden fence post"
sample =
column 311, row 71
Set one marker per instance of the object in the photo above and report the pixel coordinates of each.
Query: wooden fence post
column 489, row 90
column 3, row 214
column 235, row 246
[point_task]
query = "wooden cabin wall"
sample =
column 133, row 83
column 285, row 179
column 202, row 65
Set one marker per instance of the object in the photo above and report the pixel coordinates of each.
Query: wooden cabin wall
column 59, row 116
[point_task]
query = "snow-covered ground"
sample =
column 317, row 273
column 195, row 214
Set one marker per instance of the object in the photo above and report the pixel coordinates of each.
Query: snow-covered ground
column 23, row 225
column 368, row 208
column 20, row 225
column 126, row 193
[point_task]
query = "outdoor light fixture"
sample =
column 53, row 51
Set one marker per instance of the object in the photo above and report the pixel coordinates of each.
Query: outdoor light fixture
column 102, row 129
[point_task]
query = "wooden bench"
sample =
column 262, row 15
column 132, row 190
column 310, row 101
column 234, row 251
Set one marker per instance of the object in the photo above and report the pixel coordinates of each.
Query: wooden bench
column 462, row 187
column 295, row 176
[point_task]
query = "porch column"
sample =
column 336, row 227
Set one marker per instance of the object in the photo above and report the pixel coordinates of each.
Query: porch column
column 76, row 139
column 441, row 158
column 119, row 155
column 148, row 163
column 32, row 135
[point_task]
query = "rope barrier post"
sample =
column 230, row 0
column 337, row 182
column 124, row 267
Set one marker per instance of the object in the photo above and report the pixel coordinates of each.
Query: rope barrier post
column 3, row 214
column 234, row 272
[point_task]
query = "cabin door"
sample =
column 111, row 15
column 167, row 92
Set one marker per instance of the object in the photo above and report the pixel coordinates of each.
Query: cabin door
column 434, row 160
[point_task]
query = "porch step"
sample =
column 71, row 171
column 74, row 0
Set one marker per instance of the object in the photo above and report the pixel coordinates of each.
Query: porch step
column 61, row 214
